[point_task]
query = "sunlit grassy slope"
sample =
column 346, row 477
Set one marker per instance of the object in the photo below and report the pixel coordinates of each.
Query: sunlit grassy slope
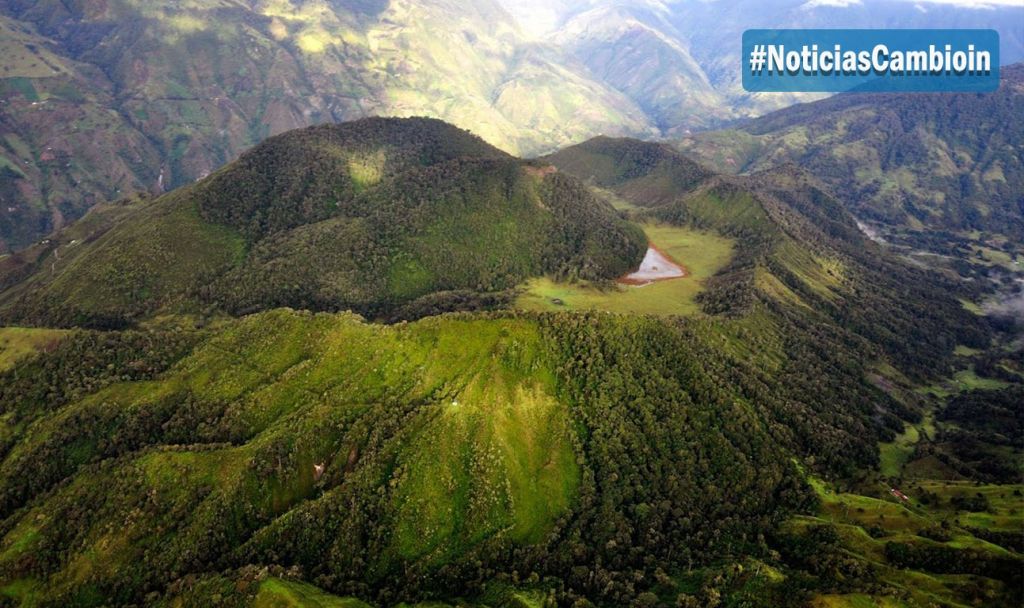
column 867, row 528
column 277, row 593
column 701, row 253
column 478, row 447
column 19, row 342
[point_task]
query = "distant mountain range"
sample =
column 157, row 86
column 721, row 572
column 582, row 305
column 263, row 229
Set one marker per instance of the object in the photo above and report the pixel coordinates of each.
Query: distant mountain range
column 98, row 100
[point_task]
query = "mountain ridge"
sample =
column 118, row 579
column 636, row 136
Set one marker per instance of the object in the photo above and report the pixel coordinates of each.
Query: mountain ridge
column 155, row 96
column 368, row 215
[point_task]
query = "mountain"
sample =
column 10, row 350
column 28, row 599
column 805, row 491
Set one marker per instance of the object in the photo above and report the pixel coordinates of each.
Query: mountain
column 938, row 173
column 679, row 60
column 209, row 447
column 373, row 215
column 795, row 244
column 99, row 100
column 164, row 95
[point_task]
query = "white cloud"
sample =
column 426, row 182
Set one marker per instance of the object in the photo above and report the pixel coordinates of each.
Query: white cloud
column 975, row 3
column 832, row 3
column 920, row 5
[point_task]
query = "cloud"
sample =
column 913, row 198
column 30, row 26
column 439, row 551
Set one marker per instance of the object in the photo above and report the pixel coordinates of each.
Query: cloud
column 830, row 3
column 920, row 5
column 981, row 4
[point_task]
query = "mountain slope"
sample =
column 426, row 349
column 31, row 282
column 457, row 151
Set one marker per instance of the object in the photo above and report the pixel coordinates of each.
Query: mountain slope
column 919, row 166
column 486, row 458
column 444, row 445
column 369, row 216
column 796, row 247
column 165, row 95
column 102, row 99
column 679, row 59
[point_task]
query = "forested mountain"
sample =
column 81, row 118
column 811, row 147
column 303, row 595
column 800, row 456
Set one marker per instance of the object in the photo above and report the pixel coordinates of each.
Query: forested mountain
column 369, row 216
column 169, row 448
column 942, row 173
column 129, row 95
column 102, row 99
column 796, row 244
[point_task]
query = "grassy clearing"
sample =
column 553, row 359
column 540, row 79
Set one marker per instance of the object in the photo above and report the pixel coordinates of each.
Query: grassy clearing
column 963, row 380
column 701, row 253
column 278, row 593
column 965, row 351
column 1005, row 510
column 895, row 454
column 19, row 342
column 967, row 380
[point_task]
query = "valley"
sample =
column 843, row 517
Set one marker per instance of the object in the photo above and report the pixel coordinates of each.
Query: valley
column 703, row 254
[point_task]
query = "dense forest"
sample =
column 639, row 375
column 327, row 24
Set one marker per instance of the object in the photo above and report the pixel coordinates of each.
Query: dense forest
column 317, row 390
column 367, row 216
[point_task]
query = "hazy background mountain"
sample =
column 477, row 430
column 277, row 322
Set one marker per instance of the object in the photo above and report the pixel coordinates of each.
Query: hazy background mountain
column 101, row 99
column 679, row 60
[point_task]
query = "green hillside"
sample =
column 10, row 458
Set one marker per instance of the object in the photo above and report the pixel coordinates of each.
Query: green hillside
column 369, row 216
column 102, row 100
column 796, row 248
column 938, row 175
column 474, row 429
column 213, row 428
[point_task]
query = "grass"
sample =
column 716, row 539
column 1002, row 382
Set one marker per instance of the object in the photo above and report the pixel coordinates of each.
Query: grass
column 1005, row 504
column 963, row 380
column 965, row 351
column 967, row 380
column 141, row 260
column 19, row 342
column 855, row 600
column 853, row 514
column 701, row 253
column 895, row 454
column 485, row 455
column 279, row 593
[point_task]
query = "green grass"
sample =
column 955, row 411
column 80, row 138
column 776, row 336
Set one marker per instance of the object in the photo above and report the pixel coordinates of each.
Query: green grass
column 855, row 600
column 965, row 351
column 895, row 454
column 853, row 514
column 1005, row 503
column 485, row 455
column 701, row 253
column 279, row 593
column 19, row 342
column 963, row 380
column 967, row 380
